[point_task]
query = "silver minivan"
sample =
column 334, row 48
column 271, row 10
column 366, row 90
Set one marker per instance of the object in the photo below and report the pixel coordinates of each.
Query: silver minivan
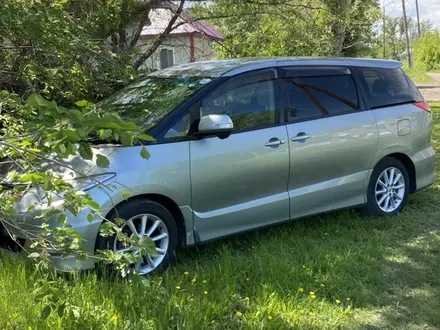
column 243, row 144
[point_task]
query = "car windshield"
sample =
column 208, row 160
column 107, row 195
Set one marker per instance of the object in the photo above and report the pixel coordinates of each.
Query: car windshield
column 148, row 101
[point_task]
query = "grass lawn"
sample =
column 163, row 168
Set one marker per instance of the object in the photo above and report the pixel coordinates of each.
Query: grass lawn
column 419, row 76
column 327, row 272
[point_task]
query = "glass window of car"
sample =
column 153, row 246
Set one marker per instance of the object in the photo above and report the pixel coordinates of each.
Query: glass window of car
column 180, row 129
column 386, row 87
column 313, row 96
column 248, row 99
column 150, row 100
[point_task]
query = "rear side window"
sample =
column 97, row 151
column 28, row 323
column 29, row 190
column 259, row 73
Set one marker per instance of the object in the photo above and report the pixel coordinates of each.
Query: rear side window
column 387, row 87
column 315, row 93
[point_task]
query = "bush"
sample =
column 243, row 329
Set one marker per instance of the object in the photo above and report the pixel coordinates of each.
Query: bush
column 427, row 51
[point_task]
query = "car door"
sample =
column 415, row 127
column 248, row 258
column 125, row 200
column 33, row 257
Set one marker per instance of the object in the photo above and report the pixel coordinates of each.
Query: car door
column 332, row 140
column 240, row 182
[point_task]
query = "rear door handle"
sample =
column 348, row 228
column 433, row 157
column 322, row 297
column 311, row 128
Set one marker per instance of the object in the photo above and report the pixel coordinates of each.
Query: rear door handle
column 275, row 142
column 301, row 137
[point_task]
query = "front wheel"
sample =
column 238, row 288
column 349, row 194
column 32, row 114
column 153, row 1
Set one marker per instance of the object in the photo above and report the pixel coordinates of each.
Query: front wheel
column 144, row 218
column 388, row 188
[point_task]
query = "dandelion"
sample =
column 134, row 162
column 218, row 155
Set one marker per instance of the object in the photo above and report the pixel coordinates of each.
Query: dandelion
column 322, row 285
column 269, row 317
column 204, row 282
column 313, row 296
column 300, row 290
column 312, row 293
column 205, row 292
column 114, row 318
column 186, row 273
column 238, row 314
column 191, row 299
column 193, row 280
column 304, row 266
column 178, row 287
column 348, row 299
column 302, row 311
column 338, row 301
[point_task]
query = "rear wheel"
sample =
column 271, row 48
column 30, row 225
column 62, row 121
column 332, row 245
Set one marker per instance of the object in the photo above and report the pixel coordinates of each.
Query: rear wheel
column 145, row 218
column 388, row 188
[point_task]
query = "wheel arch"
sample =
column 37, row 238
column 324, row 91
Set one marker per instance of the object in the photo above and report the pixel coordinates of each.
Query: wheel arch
column 410, row 167
column 167, row 203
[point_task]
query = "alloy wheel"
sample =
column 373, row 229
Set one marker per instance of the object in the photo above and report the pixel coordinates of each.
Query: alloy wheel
column 390, row 189
column 145, row 225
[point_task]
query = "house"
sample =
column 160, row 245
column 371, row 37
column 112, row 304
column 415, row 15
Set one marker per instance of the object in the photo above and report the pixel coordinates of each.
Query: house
column 189, row 41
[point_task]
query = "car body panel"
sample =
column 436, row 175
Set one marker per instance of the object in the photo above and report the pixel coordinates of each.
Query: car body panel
column 238, row 183
column 330, row 168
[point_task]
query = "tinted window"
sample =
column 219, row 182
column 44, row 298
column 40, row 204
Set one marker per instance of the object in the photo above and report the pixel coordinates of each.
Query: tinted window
column 385, row 87
column 309, row 97
column 248, row 99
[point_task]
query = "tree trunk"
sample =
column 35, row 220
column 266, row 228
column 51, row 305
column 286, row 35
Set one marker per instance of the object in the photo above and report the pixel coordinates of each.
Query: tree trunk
column 340, row 9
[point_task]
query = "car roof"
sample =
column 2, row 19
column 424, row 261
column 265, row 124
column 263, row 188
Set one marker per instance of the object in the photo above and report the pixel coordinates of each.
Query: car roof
column 227, row 68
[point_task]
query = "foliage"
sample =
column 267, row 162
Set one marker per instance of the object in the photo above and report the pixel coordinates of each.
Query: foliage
column 36, row 173
column 291, row 28
column 386, row 267
column 426, row 51
column 418, row 75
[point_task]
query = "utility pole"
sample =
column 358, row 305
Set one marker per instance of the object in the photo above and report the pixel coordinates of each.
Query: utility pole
column 405, row 24
column 384, row 34
column 418, row 18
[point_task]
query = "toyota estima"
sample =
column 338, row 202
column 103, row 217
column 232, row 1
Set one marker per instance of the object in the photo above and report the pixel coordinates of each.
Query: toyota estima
column 242, row 144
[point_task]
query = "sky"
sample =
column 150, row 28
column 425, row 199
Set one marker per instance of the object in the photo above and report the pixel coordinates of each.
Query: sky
column 428, row 9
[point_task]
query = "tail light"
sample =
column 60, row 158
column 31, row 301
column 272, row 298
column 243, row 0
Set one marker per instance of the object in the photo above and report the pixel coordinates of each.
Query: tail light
column 423, row 105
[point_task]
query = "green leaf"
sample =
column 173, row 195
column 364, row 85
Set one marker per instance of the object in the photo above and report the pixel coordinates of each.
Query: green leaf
column 90, row 217
column 62, row 219
column 46, row 312
column 71, row 134
column 144, row 153
column 82, row 103
column 102, row 161
column 85, row 150
column 146, row 137
column 104, row 134
column 126, row 194
column 127, row 139
column 92, row 204
column 34, row 255
column 61, row 309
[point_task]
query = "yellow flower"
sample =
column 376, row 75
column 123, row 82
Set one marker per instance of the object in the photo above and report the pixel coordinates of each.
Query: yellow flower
column 239, row 314
column 304, row 266
column 204, row 281
column 313, row 296
column 312, row 292
column 205, row 292
column 348, row 299
column 269, row 317
column 191, row 299
column 302, row 311
column 300, row 290
column 338, row 301
column 311, row 313
column 193, row 280
column 178, row 287
column 114, row 318
column 322, row 285
column 186, row 273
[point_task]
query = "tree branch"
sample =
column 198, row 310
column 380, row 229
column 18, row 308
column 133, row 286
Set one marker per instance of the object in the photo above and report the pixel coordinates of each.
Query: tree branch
column 159, row 39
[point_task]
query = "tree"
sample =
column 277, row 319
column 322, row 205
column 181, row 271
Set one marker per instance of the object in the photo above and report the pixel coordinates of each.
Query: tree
column 293, row 27
column 427, row 51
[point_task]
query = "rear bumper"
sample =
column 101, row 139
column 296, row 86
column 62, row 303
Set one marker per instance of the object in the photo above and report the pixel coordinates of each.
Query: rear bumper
column 424, row 163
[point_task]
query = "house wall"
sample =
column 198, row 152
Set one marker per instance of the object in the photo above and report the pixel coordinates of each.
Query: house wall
column 181, row 46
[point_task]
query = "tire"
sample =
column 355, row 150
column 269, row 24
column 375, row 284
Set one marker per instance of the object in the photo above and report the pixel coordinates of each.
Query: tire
column 135, row 211
column 398, row 196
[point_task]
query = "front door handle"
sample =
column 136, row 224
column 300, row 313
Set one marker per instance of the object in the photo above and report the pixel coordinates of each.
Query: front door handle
column 275, row 142
column 301, row 137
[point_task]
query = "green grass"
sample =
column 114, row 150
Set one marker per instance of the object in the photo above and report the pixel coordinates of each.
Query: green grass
column 389, row 268
column 419, row 76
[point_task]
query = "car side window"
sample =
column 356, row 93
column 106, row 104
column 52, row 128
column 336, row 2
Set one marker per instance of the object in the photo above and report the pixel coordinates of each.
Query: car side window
column 249, row 99
column 314, row 94
column 180, row 129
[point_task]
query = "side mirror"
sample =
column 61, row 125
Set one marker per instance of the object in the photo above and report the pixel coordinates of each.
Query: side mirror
column 220, row 125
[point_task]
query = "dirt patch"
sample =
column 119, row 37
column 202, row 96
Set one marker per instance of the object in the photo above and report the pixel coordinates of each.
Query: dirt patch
column 431, row 92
